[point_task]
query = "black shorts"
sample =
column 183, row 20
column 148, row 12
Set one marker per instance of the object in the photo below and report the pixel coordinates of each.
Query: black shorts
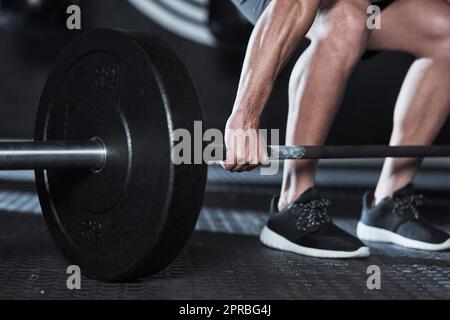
column 253, row 9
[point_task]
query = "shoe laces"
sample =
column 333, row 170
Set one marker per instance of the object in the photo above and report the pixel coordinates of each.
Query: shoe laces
column 311, row 213
column 409, row 205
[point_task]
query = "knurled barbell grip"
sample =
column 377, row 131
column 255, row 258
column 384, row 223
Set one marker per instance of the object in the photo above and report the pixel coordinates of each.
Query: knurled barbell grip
column 355, row 152
column 373, row 151
column 52, row 155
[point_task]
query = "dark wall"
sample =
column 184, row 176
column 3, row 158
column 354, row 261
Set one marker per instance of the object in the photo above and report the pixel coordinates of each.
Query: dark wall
column 365, row 115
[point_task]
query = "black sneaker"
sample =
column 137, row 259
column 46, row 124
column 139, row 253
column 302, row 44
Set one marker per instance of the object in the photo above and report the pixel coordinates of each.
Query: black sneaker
column 305, row 228
column 398, row 220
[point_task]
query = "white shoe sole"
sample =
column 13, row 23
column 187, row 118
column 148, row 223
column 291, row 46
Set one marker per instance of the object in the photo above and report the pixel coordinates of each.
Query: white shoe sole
column 368, row 233
column 274, row 240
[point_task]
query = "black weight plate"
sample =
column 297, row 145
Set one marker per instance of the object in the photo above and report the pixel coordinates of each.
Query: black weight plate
column 133, row 217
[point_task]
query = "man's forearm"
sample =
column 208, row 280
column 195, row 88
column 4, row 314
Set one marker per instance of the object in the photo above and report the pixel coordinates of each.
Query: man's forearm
column 275, row 37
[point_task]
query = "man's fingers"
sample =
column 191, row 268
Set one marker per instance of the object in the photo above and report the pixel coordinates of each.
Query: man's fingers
column 251, row 167
column 230, row 161
column 243, row 158
column 245, row 153
column 228, row 167
column 263, row 156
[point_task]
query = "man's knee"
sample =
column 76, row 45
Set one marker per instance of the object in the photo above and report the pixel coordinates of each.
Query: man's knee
column 443, row 44
column 343, row 34
column 440, row 24
column 444, row 49
column 438, row 39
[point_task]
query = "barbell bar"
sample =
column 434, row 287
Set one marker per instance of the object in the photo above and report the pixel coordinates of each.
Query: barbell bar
column 92, row 154
column 113, row 200
column 358, row 152
column 52, row 155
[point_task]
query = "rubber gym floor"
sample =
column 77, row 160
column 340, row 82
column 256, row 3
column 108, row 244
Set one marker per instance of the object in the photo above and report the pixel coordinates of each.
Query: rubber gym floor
column 224, row 259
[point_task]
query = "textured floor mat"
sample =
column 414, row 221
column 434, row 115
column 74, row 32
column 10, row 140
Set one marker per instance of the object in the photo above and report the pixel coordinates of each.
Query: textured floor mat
column 221, row 262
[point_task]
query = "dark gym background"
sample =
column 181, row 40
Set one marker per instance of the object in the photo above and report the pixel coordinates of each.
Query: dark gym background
column 32, row 35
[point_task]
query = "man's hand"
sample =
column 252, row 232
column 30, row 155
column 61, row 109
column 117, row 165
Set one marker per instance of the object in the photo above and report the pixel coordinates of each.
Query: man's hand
column 246, row 147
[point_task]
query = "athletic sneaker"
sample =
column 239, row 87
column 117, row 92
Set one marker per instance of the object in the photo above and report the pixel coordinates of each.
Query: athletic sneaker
column 304, row 227
column 398, row 220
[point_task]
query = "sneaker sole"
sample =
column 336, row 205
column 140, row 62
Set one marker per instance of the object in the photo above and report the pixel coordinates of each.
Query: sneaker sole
column 274, row 240
column 368, row 233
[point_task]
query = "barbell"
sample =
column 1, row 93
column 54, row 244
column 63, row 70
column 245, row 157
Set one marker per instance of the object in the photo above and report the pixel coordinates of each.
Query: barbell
column 114, row 202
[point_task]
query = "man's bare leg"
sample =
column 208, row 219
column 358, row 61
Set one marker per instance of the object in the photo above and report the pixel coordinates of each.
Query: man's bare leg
column 420, row 27
column 318, row 81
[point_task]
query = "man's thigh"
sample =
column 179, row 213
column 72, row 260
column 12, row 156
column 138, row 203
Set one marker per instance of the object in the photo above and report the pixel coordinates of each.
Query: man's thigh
column 411, row 25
